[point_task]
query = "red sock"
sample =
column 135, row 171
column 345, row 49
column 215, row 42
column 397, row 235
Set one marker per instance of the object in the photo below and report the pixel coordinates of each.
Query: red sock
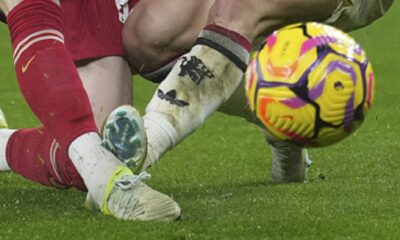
column 34, row 154
column 46, row 73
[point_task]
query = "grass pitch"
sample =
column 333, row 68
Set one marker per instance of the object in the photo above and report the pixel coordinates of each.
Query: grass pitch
column 221, row 175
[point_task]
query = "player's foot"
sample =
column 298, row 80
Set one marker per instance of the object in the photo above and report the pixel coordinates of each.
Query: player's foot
column 127, row 198
column 290, row 163
column 124, row 135
column 3, row 122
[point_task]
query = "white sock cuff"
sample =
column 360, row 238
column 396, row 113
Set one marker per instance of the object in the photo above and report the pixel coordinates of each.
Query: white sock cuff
column 161, row 135
column 162, row 127
column 5, row 135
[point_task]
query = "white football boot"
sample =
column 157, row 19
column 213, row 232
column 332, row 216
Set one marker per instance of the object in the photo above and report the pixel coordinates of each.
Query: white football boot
column 127, row 198
column 290, row 163
column 125, row 136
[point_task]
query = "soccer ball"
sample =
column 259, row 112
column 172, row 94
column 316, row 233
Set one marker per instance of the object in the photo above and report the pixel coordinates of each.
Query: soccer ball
column 310, row 84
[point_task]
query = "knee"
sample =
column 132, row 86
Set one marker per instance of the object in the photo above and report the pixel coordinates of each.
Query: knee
column 150, row 40
column 140, row 44
column 146, row 49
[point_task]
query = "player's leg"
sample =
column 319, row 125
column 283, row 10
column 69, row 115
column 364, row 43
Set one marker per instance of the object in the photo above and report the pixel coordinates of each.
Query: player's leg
column 175, row 34
column 41, row 161
column 241, row 17
column 153, row 44
column 276, row 14
column 158, row 32
column 108, row 83
column 49, row 81
column 252, row 21
column 58, row 99
column 44, row 161
column 107, row 79
column 354, row 14
column 198, row 84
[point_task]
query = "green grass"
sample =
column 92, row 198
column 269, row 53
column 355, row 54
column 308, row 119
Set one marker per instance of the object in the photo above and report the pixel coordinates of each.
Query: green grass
column 221, row 175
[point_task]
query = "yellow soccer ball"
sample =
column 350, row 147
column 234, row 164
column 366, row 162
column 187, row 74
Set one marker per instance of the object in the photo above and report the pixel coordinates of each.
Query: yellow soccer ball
column 310, row 84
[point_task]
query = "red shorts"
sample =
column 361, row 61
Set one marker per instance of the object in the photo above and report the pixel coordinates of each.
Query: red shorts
column 92, row 28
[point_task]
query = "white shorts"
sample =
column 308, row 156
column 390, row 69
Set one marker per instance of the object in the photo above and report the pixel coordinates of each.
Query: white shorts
column 354, row 14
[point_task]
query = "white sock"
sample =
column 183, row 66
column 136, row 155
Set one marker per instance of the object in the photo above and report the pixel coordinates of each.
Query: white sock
column 94, row 163
column 197, row 85
column 5, row 134
column 161, row 136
